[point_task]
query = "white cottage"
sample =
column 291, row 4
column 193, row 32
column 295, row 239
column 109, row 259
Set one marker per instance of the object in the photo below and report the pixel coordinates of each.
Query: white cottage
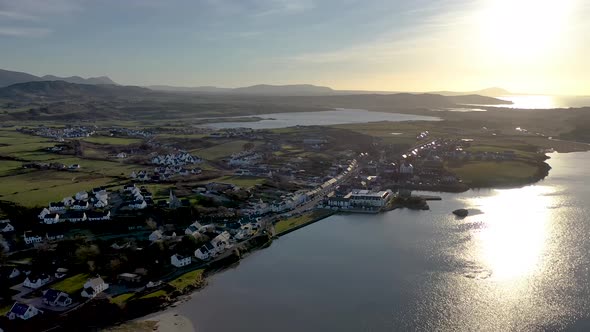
column 36, row 281
column 22, row 311
column 180, row 261
column 93, row 287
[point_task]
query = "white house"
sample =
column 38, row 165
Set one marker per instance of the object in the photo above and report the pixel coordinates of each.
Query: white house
column 57, row 207
column 76, row 216
column 36, row 281
column 101, row 203
column 82, row 196
column 214, row 248
column 56, row 298
column 93, row 287
column 121, row 155
column 14, row 273
column 204, row 252
column 159, row 235
column 43, row 213
column 22, row 311
column 5, row 228
column 180, row 261
column 51, row 218
column 245, row 232
column 98, row 216
column 31, row 239
column 67, row 201
column 193, row 229
column 138, row 205
column 406, row 169
column 80, row 205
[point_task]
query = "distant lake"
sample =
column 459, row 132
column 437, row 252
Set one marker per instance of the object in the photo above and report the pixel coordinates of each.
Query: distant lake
column 324, row 118
column 544, row 102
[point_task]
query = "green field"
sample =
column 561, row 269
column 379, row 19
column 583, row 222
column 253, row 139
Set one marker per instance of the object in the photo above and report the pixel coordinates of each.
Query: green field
column 222, row 150
column 241, row 181
column 120, row 299
column 112, row 140
column 503, row 173
column 187, row 279
column 156, row 294
column 73, row 284
column 5, row 309
column 287, row 224
column 38, row 188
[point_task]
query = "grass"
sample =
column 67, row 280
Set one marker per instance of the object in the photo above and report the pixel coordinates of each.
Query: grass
column 187, row 279
column 156, row 294
column 221, row 150
column 73, row 284
column 486, row 173
column 5, row 309
column 38, row 188
column 111, row 140
column 288, row 224
column 120, row 299
column 241, row 181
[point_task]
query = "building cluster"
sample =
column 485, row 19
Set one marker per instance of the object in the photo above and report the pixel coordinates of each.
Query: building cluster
column 245, row 158
column 178, row 159
column 59, row 133
column 52, row 299
column 164, row 173
column 234, row 133
column 137, row 198
column 130, row 132
column 84, row 206
column 54, row 166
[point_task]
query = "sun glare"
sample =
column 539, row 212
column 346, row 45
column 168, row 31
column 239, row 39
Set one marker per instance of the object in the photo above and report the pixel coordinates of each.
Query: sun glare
column 524, row 30
column 514, row 238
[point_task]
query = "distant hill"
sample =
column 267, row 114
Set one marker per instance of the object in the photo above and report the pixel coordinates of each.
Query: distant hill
column 59, row 90
column 80, row 80
column 202, row 89
column 259, row 90
column 8, row 77
column 284, row 90
column 489, row 92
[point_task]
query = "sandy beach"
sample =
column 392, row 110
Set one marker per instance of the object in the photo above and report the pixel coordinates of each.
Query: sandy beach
column 163, row 322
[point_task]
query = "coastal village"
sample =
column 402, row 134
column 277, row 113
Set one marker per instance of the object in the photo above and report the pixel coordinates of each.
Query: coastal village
column 172, row 215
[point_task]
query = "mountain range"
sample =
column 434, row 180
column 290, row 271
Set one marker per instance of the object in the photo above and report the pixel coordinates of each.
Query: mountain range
column 61, row 90
column 260, row 89
column 8, row 77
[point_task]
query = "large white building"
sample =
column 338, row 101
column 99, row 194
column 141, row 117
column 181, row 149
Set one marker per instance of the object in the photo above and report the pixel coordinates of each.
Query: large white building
column 366, row 198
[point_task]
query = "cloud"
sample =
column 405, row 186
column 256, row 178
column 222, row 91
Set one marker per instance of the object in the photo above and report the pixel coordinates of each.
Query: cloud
column 10, row 15
column 429, row 28
column 39, row 8
column 38, row 14
column 258, row 8
column 24, row 32
column 285, row 7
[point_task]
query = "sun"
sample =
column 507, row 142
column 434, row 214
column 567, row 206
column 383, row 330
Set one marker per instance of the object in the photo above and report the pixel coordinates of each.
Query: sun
column 524, row 30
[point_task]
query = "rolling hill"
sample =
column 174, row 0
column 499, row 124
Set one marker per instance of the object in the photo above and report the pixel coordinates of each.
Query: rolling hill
column 60, row 90
column 8, row 77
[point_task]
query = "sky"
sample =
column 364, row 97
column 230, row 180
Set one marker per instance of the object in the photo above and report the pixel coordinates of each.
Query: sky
column 534, row 46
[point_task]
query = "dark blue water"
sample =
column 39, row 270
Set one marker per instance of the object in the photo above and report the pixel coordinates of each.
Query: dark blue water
column 519, row 262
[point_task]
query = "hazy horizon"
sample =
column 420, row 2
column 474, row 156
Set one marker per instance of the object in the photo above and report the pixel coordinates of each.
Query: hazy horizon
column 523, row 46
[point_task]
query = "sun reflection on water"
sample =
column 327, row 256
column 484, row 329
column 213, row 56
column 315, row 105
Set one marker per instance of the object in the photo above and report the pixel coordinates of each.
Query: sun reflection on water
column 512, row 242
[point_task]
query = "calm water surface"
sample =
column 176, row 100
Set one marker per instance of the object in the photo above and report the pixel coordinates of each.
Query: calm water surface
column 545, row 102
column 519, row 262
column 325, row 118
